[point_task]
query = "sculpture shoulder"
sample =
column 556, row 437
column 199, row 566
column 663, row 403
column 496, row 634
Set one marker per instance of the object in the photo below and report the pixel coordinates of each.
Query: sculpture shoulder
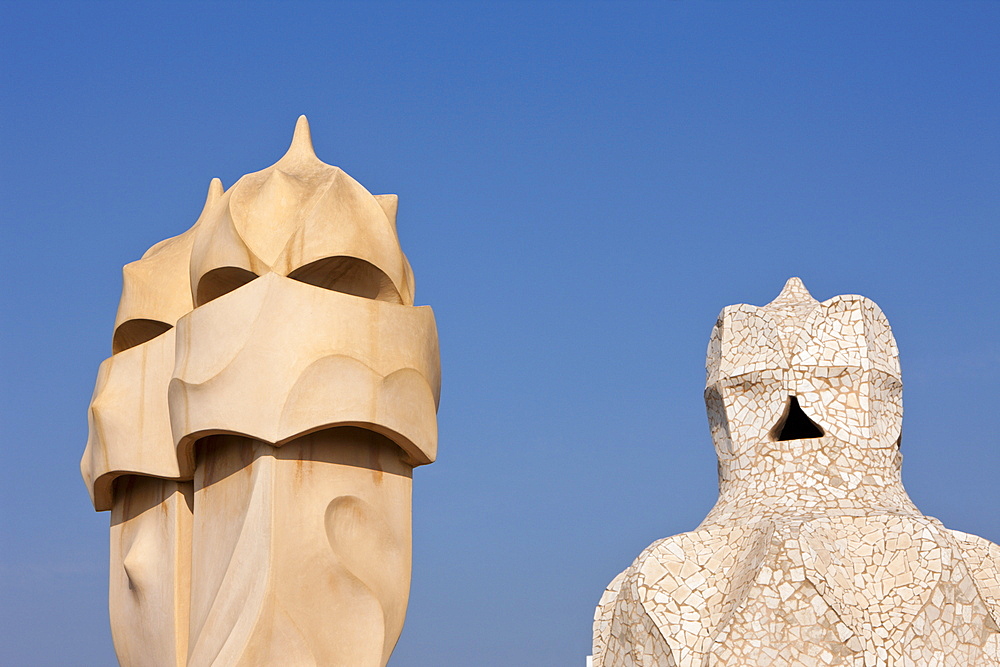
column 667, row 545
column 621, row 625
column 689, row 560
column 982, row 557
column 675, row 550
column 603, row 616
column 679, row 593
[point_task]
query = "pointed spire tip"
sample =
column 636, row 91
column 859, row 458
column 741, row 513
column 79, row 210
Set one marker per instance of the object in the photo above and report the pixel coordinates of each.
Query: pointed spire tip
column 301, row 140
column 215, row 190
column 794, row 292
column 794, row 284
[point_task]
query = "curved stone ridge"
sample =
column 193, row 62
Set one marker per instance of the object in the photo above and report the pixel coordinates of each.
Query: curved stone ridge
column 271, row 388
column 814, row 553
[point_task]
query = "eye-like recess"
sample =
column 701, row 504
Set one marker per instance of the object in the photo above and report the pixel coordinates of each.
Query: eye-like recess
column 348, row 275
column 136, row 332
column 221, row 281
column 795, row 424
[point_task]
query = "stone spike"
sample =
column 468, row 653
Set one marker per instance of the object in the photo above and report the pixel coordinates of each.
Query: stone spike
column 301, row 146
column 215, row 191
column 794, row 293
column 389, row 204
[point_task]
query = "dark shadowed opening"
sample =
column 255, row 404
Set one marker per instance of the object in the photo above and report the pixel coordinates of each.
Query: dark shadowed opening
column 348, row 275
column 795, row 425
column 221, row 281
column 136, row 332
column 221, row 455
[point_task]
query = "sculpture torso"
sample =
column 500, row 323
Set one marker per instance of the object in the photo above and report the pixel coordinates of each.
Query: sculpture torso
column 814, row 554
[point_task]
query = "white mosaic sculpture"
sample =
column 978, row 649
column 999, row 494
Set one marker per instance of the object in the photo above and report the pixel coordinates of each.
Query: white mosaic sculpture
column 813, row 554
column 254, row 433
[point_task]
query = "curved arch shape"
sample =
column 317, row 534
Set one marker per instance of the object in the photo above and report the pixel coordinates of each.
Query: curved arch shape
column 348, row 275
column 136, row 332
column 221, row 281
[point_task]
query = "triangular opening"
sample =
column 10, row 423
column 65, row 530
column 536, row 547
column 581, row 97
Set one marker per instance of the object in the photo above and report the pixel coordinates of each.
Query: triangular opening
column 795, row 425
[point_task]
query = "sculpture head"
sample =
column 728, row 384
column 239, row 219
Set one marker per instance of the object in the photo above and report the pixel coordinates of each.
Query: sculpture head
column 267, row 242
column 798, row 369
column 304, row 219
column 299, row 218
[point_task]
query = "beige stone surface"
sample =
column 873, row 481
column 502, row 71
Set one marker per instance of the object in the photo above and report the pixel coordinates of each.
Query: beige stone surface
column 286, row 348
column 302, row 553
column 254, row 432
column 130, row 419
column 814, row 554
column 150, row 570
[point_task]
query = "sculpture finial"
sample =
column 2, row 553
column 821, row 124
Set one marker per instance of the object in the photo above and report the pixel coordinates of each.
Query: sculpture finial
column 302, row 145
column 794, row 293
column 215, row 190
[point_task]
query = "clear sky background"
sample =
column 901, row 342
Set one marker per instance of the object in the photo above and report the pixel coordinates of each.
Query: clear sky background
column 582, row 188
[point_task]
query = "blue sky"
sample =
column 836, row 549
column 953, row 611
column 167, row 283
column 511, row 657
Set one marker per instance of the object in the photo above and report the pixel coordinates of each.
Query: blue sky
column 583, row 186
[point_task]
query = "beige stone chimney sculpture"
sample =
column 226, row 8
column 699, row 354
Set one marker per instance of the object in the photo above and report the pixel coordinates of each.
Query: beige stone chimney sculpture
column 814, row 554
column 271, row 388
